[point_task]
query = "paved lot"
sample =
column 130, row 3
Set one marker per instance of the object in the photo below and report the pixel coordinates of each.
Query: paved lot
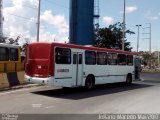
column 141, row 97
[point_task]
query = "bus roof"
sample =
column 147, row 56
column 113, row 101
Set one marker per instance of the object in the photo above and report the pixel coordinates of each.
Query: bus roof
column 8, row 45
column 88, row 48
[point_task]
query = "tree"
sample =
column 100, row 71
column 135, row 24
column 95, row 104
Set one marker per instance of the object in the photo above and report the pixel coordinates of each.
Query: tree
column 9, row 40
column 13, row 41
column 147, row 58
column 111, row 37
column 3, row 39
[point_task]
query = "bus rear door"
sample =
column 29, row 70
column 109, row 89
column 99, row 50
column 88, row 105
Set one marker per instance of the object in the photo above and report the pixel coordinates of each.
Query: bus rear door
column 77, row 68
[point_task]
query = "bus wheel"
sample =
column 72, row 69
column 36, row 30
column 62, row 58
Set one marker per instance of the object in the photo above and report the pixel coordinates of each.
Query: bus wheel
column 129, row 79
column 65, row 88
column 89, row 83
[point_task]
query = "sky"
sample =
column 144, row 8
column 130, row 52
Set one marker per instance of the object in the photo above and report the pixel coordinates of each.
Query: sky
column 20, row 18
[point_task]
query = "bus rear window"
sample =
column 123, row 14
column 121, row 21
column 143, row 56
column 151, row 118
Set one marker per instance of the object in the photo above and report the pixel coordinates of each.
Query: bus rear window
column 63, row 56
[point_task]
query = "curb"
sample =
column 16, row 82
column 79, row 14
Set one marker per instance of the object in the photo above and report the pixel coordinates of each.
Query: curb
column 150, row 71
column 19, row 87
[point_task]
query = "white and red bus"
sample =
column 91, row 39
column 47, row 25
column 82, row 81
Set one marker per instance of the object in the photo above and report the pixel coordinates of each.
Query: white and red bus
column 68, row 65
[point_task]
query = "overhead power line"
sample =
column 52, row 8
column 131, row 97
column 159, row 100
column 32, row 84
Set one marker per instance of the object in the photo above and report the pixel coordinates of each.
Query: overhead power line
column 10, row 2
column 34, row 8
column 57, row 4
column 24, row 18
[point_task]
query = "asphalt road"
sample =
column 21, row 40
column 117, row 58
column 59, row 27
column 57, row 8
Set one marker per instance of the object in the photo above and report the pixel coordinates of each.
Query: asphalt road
column 140, row 97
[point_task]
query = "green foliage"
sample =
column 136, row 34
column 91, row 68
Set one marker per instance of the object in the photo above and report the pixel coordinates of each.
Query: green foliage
column 147, row 57
column 3, row 39
column 111, row 37
column 9, row 40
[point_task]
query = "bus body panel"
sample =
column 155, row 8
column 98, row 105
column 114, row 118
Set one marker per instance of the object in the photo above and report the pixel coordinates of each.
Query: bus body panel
column 63, row 75
column 10, row 58
column 66, row 75
column 108, row 73
column 75, row 73
column 38, row 60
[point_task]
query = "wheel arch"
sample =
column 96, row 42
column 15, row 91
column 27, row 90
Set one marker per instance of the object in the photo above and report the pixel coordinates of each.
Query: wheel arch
column 129, row 79
column 91, row 75
column 129, row 75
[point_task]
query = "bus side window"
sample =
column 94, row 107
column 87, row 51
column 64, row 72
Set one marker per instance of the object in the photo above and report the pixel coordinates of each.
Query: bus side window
column 80, row 59
column 109, row 58
column 130, row 60
column 63, row 56
column 74, row 58
column 4, row 54
column 122, row 59
column 101, row 58
column 112, row 58
column 90, row 57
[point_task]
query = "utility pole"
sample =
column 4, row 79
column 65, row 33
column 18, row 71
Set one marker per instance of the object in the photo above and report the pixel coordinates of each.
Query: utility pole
column 138, row 38
column 38, row 21
column 150, row 41
column 124, row 26
column 158, row 58
column 150, row 44
column 1, row 19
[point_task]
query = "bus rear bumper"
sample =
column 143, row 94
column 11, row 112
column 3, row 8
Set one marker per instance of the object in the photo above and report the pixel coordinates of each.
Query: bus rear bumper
column 36, row 80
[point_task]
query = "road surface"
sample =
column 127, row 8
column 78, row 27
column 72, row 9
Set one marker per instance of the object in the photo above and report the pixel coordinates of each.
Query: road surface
column 140, row 97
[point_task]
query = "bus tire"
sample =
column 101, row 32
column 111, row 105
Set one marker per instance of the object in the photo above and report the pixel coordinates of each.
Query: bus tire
column 129, row 79
column 65, row 88
column 90, row 82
